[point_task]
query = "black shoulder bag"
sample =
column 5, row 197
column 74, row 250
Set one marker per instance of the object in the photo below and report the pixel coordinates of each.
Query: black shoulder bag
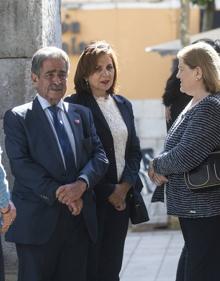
column 206, row 175
column 138, row 210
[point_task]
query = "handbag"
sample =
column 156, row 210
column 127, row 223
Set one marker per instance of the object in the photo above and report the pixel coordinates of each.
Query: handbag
column 138, row 210
column 206, row 175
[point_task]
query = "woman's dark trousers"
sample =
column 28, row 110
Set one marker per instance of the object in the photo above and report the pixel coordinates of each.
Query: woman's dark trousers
column 200, row 257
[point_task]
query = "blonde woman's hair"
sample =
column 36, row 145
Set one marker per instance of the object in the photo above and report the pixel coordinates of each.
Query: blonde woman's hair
column 204, row 56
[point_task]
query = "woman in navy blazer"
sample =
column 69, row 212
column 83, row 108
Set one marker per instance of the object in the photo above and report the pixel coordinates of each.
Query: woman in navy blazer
column 95, row 81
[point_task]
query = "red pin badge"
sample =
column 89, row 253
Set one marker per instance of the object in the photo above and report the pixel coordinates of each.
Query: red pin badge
column 77, row 121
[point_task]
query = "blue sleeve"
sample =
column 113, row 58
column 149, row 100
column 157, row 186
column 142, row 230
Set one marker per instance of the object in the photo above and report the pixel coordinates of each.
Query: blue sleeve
column 4, row 192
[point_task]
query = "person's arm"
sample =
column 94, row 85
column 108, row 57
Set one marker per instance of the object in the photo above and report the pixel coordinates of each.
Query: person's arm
column 104, row 188
column 4, row 192
column 7, row 208
column 132, row 166
column 199, row 139
column 133, row 154
column 97, row 165
column 31, row 175
column 8, row 216
column 93, row 170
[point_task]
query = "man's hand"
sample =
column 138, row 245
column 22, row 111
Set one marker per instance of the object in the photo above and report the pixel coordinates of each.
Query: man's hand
column 117, row 198
column 76, row 207
column 69, row 193
column 8, row 217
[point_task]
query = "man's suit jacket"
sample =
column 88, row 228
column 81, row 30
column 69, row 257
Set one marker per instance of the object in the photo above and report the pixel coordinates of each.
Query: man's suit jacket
column 37, row 166
column 132, row 154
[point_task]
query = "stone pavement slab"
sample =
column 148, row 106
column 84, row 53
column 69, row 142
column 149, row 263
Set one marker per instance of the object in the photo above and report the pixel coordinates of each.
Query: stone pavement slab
column 151, row 255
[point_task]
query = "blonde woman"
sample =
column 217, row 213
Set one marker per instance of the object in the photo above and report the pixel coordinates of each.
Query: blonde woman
column 193, row 136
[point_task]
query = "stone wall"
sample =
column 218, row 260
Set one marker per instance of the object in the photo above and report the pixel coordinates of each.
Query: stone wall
column 151, row 128
column 25, row 26
column 150, row 123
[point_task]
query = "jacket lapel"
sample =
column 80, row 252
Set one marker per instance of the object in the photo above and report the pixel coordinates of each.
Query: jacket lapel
column 91, row 103
column 42, row 134
column 76, row 125
column 124, row 112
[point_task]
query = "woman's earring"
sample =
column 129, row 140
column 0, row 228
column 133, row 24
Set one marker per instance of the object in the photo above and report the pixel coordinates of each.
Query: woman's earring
column 87, row 83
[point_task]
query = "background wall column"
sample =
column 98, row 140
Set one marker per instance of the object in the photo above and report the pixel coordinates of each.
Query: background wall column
column 25, row 26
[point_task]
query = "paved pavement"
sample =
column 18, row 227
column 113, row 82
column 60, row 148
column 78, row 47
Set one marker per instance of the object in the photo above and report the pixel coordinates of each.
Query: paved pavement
column 151, row 255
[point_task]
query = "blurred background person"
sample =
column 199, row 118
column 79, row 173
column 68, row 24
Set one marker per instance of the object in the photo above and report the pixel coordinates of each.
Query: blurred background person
column 189, row 141
column 95, row 82
column 173, row 99
column 7, row 212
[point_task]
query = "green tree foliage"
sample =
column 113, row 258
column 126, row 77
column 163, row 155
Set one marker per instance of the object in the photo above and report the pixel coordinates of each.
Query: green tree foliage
column 201, row 2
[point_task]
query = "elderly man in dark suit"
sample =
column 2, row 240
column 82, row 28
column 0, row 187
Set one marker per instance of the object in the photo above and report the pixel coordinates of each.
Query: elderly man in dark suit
column 56, row 159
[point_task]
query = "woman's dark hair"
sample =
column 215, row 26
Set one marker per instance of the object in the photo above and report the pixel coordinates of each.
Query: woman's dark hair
column 214, row 43
column 87, row 65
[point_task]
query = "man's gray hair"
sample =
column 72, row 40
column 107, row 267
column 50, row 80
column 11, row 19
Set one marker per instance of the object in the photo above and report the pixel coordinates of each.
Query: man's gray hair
column 48, row 53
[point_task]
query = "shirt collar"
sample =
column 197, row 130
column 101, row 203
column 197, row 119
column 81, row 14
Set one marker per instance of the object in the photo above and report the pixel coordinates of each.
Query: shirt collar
column 45, row 104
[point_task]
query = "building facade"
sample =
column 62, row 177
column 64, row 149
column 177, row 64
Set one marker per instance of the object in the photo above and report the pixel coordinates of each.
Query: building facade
column 129, row 27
